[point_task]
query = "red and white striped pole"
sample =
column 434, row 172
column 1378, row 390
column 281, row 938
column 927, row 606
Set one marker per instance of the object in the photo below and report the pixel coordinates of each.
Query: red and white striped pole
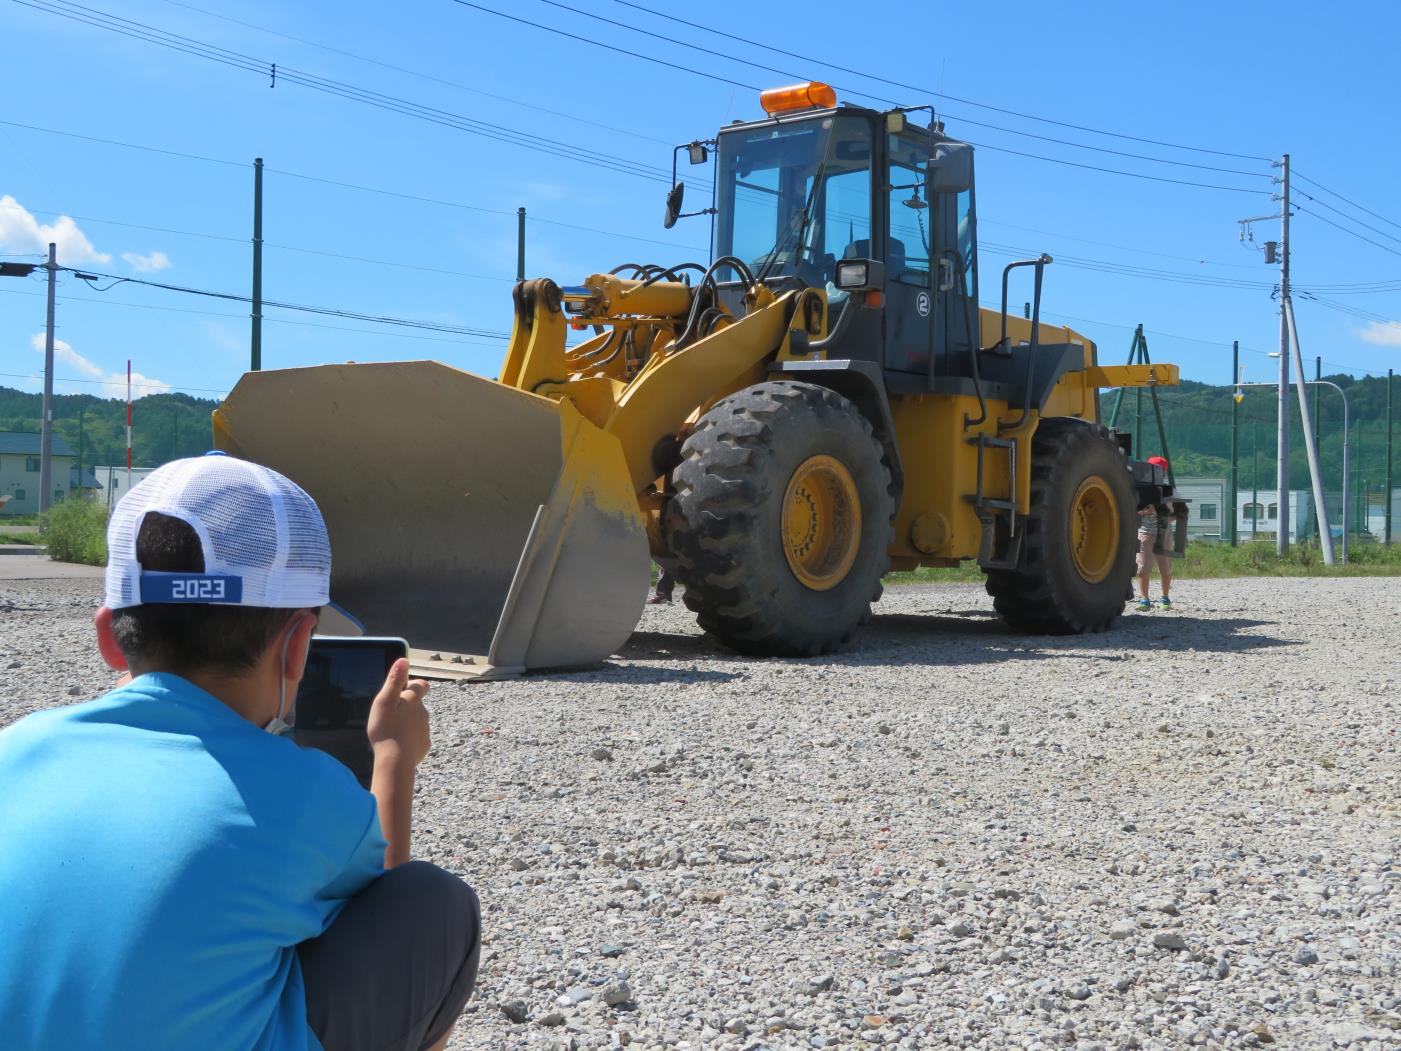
column 128, row 425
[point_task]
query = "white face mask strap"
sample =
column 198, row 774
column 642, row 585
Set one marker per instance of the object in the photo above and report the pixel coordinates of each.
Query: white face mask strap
column 276, row 725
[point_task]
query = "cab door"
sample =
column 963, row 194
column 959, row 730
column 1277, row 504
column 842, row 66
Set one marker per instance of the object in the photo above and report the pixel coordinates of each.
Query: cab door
column 911, row 311
column 931, row 257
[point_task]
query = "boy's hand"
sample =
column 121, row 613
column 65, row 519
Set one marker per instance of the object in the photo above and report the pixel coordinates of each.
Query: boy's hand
column 398, row 723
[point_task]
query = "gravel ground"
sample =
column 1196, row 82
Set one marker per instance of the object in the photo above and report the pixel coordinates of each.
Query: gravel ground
column 1185, row 832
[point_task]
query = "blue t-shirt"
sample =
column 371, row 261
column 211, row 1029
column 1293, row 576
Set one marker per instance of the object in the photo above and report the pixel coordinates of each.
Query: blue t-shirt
column 160, row 859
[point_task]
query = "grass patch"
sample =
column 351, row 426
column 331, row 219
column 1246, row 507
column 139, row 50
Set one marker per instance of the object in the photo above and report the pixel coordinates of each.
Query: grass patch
column 75, row 531
column 1366, row 558
column 16, row 520
column 18, row 538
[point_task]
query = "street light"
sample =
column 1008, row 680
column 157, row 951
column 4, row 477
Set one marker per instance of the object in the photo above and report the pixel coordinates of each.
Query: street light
column 1347, row 450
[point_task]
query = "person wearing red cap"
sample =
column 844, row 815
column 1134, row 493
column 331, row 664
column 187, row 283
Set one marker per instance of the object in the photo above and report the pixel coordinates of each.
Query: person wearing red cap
column 1154, row 523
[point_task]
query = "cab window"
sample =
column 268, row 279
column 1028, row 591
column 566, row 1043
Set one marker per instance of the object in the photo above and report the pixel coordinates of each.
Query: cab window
column 911, row 218
column 967, row 243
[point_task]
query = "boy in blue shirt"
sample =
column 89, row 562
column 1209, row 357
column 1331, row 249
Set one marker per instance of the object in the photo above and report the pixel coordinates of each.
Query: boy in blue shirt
column 177, row 873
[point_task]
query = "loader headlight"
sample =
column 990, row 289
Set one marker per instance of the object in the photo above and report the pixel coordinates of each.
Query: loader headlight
column 859, row 275
column 852, row 275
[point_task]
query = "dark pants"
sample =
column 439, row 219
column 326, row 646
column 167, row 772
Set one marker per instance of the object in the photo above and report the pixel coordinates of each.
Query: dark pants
column 666, row 577
column 396, row 967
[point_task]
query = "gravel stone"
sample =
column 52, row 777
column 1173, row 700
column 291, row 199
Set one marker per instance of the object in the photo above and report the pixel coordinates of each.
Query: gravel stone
column 1123, row 929
column 757, row 829
column 615, row 993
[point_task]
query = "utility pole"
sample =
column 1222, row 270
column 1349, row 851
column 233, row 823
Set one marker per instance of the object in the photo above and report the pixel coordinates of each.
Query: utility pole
column 256, row 343
column 1235, row 425
column 1255, row 480
column 1386, row 532
column 1282, row 468
column 1360, row 490
column 46, row 428
column 82, row 411
column 1325, row 534
column 520, row 244
column 1318, row 379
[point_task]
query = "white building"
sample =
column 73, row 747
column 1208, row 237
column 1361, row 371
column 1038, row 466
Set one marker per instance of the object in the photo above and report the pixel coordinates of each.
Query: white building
column 1257, row 514
column 1206, row 519
column 113, row 481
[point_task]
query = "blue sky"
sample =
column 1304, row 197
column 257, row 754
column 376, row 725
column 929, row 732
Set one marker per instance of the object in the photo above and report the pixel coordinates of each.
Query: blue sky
column 1246, row 78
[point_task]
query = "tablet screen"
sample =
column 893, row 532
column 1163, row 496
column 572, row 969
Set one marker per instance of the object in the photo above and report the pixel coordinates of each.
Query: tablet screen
column 341, row 679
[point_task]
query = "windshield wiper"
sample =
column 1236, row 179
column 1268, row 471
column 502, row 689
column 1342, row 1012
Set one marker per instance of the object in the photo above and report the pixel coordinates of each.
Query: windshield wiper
column 805, row 215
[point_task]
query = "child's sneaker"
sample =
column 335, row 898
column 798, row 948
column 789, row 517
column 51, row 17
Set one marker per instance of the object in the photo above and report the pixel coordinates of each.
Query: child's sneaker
column 1145, row 605
column 1165, row 602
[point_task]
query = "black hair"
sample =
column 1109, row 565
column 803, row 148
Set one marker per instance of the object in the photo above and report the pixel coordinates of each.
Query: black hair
column 188, row 637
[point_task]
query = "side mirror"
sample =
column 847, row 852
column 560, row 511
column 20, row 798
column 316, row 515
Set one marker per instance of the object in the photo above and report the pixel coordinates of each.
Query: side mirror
column 673, row 204
column 950, row 167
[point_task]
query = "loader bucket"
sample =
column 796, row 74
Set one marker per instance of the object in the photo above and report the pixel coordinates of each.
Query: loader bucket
column 495, row 530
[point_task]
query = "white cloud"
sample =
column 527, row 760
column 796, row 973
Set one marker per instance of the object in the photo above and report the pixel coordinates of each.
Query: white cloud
column 148, row 263
column 21, row 232
column 1382, row 333
column 109, row 384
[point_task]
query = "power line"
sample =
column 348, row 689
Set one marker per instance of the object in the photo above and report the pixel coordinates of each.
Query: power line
column 1116, row 171
column 995, row 248
column 609, row 47
column 271, row 244
column 328, row 182
column 499, row 133
column 1348, row 308
column 1346, row 200
column 355, row 315
column 1130, row 270
column 937, row 94
column 480, row 208
column 125, row 145
column 104, row 302
column 1349, row 218
column 162, row 388
column 752, row 87
column 1123, row 248
column 879, row 98
column 1223, row 346
column 1344, row 229
column 573, row 118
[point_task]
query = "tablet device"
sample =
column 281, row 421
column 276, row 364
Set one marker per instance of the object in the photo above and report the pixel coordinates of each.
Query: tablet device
column 341, row 679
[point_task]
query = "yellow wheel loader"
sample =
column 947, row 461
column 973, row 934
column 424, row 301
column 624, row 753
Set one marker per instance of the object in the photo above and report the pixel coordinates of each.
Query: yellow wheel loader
column 823, row 401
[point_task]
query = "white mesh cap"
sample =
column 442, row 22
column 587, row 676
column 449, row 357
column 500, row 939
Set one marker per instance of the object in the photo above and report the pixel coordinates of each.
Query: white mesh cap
column 263, row 538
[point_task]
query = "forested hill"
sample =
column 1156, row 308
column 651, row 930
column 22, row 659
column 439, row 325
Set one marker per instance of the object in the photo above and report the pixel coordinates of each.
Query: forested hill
column 164, row 426
column 1197, row 418
column 1198, row 424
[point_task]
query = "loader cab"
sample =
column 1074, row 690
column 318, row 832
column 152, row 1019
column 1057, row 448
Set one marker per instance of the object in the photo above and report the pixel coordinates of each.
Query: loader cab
column 796, row 193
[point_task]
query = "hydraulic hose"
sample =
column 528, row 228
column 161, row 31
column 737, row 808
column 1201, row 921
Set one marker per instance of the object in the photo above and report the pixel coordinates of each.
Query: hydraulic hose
column 708, row 280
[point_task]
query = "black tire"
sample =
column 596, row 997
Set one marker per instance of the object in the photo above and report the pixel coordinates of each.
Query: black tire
column 724, row 522
column 1050, row 594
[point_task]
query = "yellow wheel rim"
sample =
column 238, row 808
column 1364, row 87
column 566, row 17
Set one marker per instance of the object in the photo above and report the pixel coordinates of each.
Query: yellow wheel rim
column 821, row 526
column 1094, row 529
